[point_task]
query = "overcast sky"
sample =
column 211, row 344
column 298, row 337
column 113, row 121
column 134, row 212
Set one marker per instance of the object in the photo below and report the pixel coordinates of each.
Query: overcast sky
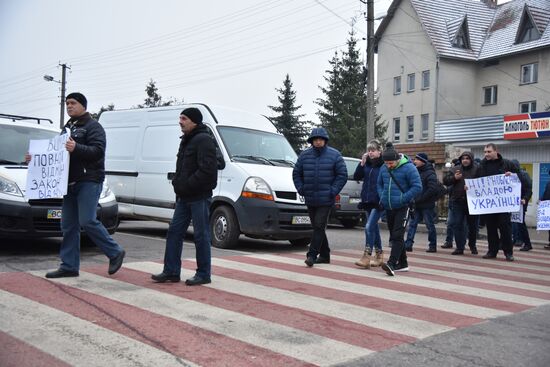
column 230, row 53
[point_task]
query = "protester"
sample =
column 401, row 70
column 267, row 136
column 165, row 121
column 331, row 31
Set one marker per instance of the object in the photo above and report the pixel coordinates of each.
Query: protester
column 398, row 184
column 459, row 204
column 449, row 235
column 86, row 147
column 319, row 175
column 494, row 164
column 195, row 178
column 526, row 194
column 368, row 170
column 424, row 203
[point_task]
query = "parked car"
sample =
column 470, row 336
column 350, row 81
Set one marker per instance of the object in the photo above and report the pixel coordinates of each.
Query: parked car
column 255, row 195
column 345, row 210
column 19, row 216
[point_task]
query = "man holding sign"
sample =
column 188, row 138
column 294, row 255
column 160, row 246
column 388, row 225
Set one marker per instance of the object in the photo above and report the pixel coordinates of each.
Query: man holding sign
column 86, row 146
column 493, row 164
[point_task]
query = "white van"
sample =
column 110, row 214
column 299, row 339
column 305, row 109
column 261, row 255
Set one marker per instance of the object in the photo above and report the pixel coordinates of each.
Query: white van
column 255, row 194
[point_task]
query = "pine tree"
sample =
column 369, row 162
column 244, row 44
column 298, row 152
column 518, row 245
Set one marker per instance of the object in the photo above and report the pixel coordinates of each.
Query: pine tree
column 154, row 99
column 343, row 110
column 287, row 121
column 95, row 115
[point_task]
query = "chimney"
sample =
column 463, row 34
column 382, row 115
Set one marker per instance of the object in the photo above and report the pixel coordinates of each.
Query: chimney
column 490, row 3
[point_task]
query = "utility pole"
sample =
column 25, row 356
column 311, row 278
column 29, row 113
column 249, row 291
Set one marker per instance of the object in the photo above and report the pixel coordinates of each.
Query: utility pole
column 370, row 70
column 63, row 82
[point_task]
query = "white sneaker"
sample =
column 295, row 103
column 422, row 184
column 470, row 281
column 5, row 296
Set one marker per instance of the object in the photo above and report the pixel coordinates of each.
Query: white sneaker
column 399, row 269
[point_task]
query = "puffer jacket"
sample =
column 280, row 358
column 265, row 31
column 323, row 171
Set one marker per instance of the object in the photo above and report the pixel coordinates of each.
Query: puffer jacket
column 369, row 174
column 87, row 162
column 458, row 193
column 407, row 175
column 319, row 175
column 196, row 167
column 427, row 198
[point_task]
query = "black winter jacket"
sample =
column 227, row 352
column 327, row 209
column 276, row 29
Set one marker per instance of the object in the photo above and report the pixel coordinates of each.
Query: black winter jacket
column 87, row 161
column 428, row 196
column 457, row 186
column 196, row 167
column 497, row 166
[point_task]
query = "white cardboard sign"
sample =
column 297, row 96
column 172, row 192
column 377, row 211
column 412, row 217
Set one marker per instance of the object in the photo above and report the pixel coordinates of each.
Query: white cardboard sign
column 494, row 194
column 48, row 171
column 543, row 216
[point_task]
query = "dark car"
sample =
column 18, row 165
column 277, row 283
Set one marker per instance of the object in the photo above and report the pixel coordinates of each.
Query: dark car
column 346, row 210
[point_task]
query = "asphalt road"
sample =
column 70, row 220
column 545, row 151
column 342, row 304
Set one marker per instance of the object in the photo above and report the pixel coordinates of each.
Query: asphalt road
column 522, row 339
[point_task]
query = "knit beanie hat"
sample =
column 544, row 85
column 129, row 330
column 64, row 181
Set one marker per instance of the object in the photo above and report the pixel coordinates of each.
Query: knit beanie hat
column 423, row 157
column 79, row 97
column 390, row 154
column 193, row 114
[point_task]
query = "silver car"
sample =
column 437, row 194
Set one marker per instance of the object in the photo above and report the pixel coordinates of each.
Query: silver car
column 345, row 210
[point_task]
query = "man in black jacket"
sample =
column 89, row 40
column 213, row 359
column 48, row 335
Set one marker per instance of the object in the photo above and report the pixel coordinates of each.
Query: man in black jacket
column 494, row 164
column 424, row 203
column 458, row 204
column 195, row 178
column 86, row 147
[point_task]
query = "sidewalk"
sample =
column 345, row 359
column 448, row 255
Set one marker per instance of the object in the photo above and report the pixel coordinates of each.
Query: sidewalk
column 537, row 237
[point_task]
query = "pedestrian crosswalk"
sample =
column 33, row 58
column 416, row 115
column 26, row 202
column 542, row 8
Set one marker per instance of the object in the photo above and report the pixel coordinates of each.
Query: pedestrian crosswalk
column 260, row 309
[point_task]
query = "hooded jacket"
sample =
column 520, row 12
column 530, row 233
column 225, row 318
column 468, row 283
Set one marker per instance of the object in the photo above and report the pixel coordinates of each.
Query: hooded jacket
column 369, row 174
column 391, row 197
column 87, row 161
column 320, row 173
column 427, row 198
column 457, row 191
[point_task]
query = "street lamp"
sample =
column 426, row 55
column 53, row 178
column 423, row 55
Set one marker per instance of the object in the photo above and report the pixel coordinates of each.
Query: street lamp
column 50, row 78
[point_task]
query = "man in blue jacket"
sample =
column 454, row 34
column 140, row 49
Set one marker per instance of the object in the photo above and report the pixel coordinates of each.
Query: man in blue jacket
column 398, row 184
column 319, row 175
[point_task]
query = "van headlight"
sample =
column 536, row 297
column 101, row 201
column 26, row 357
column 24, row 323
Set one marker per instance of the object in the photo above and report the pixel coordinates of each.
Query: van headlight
column 257, row 188
column 9, row 187
column 105, row 191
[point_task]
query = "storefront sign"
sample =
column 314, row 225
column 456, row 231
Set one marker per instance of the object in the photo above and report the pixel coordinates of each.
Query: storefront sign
column 494, row 194
column 527, row 126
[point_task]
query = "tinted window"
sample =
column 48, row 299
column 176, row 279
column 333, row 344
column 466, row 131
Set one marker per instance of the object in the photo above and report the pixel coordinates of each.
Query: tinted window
column 14, row 141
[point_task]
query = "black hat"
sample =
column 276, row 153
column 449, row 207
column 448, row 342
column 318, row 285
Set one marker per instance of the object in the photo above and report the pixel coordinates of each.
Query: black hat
column 390, row 154
column 317, row 132
column 193, row 114
column 79, row 97
column 423, row 157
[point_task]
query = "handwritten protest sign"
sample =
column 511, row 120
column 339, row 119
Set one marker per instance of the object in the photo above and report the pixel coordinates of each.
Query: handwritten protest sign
column 543, row 216
column 494, row 194
column 517, row 217
column 48, row 171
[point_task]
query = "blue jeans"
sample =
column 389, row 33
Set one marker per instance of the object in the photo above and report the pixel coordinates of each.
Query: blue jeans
column 428, row 215
column 79, row 211
column 462, row 222
column 372, row 230
column 198, row 211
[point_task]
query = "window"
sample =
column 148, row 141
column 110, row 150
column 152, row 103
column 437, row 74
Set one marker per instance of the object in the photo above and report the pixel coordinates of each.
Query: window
column 410, row 82
column 490, row 95
column 425, row 79
column 528, row 107
column 396, row 129
column 461, row 40
column 529, row 73
column 397, row 85
column 527, row 30
column 410, row 128
column 425, row 118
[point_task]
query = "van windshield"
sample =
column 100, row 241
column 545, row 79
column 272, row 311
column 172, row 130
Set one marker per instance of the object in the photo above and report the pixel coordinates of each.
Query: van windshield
column 14, row 142
column 256, row 146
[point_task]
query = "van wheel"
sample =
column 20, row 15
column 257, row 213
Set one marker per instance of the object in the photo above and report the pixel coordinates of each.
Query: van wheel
column 300, row 242
column 224, row 228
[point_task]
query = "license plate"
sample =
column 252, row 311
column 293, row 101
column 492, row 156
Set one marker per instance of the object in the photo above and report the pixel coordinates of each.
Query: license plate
column 54, row 214
column 354, row 200
column 301, row 219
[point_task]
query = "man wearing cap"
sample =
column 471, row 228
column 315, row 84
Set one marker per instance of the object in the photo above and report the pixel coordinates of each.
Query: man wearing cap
column 319, row 175
column 398, row 184
column 195, row 178
column 424, row 203
column 86, row 147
